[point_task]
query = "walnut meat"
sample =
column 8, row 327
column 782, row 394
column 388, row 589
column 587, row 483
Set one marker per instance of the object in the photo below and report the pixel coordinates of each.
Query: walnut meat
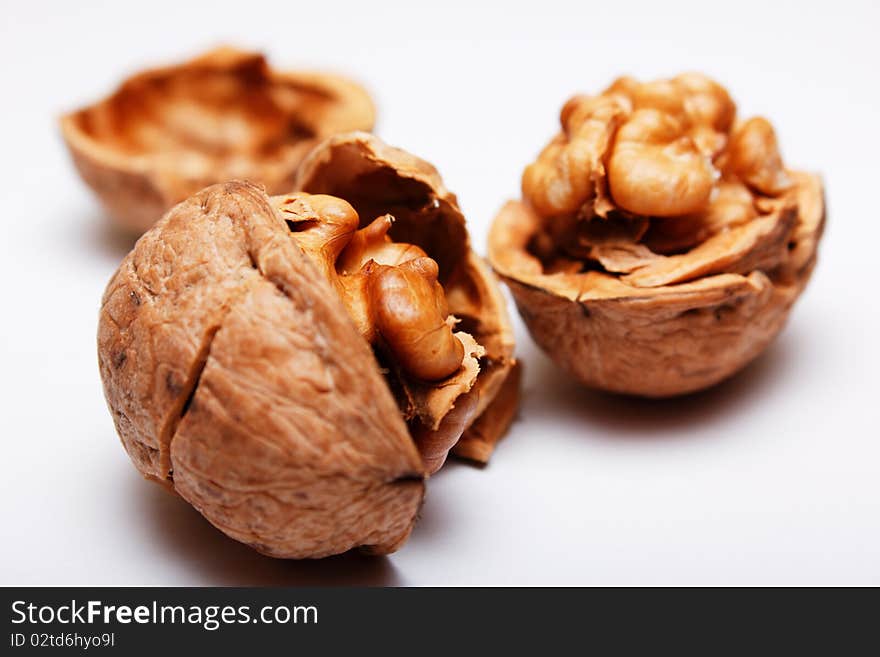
column 296, row 366
column 167, row 133
column 381, row 181
column 660, row 242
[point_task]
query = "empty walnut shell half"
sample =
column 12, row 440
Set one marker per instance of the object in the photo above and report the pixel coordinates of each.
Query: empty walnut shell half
column 660, row 242
column 167, row 133
column 295, row 366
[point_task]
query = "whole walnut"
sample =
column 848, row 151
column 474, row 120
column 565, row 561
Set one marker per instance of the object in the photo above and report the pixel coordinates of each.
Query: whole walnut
column 660, row 242
column 166, row 133
column 296, row 366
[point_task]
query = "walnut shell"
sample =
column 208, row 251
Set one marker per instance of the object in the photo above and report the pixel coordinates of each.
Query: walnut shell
column 655, row 341
column 376, row 179
column 660, row 244
column 236, row 378
column 168, row 132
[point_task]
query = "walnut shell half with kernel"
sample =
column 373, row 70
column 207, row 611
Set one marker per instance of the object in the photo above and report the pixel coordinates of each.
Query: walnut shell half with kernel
column 295, row 371
column 166, row 133
column 660, row 243
column 380, row 180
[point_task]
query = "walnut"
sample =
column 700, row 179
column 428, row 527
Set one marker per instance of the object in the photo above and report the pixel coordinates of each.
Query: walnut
column 660, row 243
column 167, row 133
column 296, row 366
column 377, row 179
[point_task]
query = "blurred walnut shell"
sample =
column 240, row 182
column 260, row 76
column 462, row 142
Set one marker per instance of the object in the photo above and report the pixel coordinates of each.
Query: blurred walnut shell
column 168, row 132
column 236, row 378
column 667, row 339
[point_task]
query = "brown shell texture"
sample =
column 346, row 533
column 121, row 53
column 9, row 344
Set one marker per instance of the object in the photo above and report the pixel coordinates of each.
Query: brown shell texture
column 660, row 243
column 235, row 377
column 166, row 133
column 376, row 179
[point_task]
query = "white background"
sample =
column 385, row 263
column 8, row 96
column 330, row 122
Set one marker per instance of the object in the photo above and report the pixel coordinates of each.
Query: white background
column 771, row 478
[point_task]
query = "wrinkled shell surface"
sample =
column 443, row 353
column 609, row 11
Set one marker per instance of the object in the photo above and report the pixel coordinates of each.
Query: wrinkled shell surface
column 658, row 305
column 167, row 133
column 234, row 376
column 237, row 378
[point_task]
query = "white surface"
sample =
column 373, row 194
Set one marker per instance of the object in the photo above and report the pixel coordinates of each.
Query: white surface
column 770, row 478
